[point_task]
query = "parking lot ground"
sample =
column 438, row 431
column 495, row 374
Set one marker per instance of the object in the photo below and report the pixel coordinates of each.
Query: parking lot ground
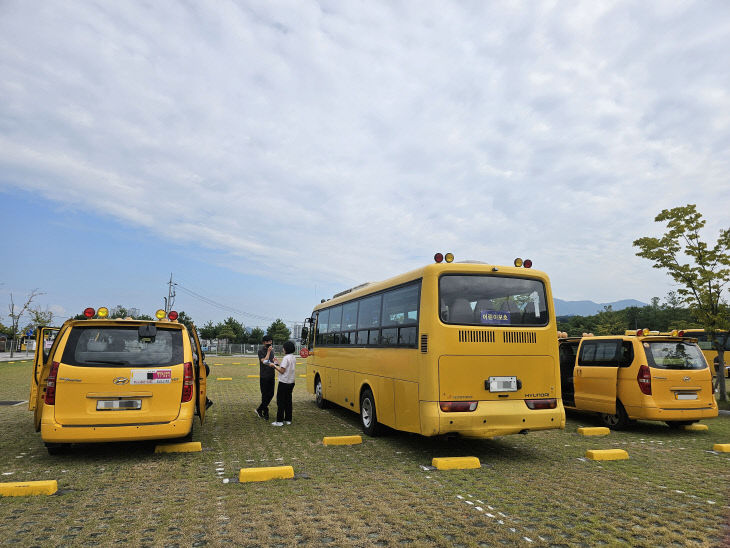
column 536, row 490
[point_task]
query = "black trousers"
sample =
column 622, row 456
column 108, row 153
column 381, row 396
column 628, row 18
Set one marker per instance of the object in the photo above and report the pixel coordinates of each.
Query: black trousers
column 283, row 401
column 267, row 393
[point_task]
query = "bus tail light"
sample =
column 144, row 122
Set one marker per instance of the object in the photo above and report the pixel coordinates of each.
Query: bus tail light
column 457, row 406
column 187, row 391
column 644, row 379
column 51, row 384
column 544, row 403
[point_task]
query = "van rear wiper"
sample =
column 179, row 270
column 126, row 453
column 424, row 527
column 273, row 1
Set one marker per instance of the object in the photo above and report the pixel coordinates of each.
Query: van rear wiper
column 109, row 362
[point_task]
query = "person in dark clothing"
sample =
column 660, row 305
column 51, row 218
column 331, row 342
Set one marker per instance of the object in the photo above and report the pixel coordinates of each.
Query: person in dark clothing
column 266, row 376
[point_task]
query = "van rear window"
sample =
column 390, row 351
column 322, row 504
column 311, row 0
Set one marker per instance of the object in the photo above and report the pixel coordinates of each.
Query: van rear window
column 120, row 346
column 674, row 355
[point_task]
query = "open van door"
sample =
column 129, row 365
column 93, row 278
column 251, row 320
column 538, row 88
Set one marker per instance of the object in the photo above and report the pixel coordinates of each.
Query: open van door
column 596, row 374
column 201, row 374
column 46, row 339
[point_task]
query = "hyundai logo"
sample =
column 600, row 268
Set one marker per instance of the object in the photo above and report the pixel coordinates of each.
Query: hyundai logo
column 121, row 380
column 686, row 379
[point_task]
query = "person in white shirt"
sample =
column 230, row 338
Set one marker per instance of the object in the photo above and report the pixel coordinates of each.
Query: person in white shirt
column 286, row 385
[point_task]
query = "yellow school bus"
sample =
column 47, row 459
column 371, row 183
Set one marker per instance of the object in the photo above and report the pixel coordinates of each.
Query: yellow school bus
column 450, row 348
column 703, row 341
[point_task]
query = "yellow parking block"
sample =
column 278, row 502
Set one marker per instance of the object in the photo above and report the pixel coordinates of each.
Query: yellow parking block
column 695, row 427
column 722, row 447
column 235, row 363
column 224, row 379
column 455, row 463
column 265, row 474
column 303, row 376
column 342, row 440
column 217, row 364
column 188, row 447
column 607, row 454
column 593, row 431
column 25, row 488
column 252, row 376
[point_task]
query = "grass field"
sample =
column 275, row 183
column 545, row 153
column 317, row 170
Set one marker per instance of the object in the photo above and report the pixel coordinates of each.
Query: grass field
column 535, row 490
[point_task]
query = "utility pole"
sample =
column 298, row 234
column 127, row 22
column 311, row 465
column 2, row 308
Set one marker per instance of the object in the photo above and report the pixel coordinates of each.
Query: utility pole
column 170, row 300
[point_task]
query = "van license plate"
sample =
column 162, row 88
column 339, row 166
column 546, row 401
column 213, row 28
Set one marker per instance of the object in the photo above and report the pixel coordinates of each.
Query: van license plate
column 686, row 396
column 502, row 384
column 118, row 405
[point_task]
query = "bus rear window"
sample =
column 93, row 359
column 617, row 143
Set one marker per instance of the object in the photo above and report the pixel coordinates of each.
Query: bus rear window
column 121, row 346
column 674, row 355
column 492, row 300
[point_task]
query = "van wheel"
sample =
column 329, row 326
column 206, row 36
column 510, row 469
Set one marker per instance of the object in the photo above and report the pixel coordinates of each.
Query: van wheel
column 619, row 420
column 318, row 398
column 679, row 424
column 57, row 448
column 368, row 415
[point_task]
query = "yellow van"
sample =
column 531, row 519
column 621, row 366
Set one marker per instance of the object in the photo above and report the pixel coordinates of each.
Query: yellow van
column 630, row 377
column 100, row 380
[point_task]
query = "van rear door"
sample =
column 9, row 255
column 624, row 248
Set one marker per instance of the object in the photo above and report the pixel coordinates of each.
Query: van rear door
column 114, row 373
column 596, row 375
column 680, row 377
column 201, row 373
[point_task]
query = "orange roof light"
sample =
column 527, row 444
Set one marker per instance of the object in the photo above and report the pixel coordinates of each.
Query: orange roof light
column 103, row 312
column 160, row 314
column 449, row 257
column 518, row 262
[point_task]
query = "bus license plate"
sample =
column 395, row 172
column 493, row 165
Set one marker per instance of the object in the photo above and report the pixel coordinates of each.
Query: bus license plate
column 502, row 384
column 686, row 396
column 118, row 405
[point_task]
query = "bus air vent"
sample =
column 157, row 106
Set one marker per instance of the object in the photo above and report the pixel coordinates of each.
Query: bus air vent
column 472, row 335
column 520, row 337
column 424, row 343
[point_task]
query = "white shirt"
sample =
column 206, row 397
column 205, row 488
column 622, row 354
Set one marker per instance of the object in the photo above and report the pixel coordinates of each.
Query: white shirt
column 289, row 363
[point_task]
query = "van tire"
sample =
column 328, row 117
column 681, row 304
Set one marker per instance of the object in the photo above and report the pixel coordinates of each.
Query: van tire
column 318, row 398
column 617, row 421
column 368, row 414
column 55, row 449
column 679, row 424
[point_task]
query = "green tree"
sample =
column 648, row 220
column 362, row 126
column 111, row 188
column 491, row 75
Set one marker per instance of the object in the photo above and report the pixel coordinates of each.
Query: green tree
column 17, row 313
column 610, row 322
column 256, row 336
column 226, row 333
column 40, row 318
column 702, row 272
column 208, row 331
column 184, row 319
column 278, row 331
column 239, row 332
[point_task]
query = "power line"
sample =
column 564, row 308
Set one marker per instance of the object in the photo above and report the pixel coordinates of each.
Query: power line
column 226, row 308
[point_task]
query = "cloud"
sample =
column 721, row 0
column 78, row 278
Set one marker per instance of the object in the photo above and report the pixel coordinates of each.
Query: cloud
column 345, row 142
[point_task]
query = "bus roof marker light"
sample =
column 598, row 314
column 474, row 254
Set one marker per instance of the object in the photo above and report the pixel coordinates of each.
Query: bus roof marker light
column 528, row 263
column 449, row 257
column 518, row 262
column 438, row 257
column 172, row 315
column 160, row 314
column 680, row 333
column 89, row 312
column 103, row 312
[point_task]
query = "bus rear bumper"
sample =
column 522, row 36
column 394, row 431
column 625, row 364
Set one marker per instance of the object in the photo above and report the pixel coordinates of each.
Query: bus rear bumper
column 490, row 419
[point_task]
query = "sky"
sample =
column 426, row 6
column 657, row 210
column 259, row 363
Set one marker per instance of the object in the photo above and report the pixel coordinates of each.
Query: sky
column 270, row 154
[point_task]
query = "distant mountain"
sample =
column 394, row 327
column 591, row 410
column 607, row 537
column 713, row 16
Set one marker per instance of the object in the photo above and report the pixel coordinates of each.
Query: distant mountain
column 589, row 308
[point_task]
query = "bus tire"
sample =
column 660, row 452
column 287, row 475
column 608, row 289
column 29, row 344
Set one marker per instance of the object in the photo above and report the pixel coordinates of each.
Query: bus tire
column 368, row 414
column 57, row 448
column 318, row 397
column 617, row 421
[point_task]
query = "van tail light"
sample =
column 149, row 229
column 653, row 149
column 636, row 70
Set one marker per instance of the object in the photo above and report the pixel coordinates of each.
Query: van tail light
column 457, row 406
column 51, row 384
column 187, row 391
column 545, row 403
column 644, row 379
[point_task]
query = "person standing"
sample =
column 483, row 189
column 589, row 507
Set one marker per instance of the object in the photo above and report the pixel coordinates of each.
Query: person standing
column 266, row 376
column 286, row 385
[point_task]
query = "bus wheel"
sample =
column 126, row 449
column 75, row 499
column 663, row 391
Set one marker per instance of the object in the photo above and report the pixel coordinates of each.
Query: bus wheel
column 619, row 420
column 679, row 424
column 318, row 398
column 368, row 415
column 57, row 448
